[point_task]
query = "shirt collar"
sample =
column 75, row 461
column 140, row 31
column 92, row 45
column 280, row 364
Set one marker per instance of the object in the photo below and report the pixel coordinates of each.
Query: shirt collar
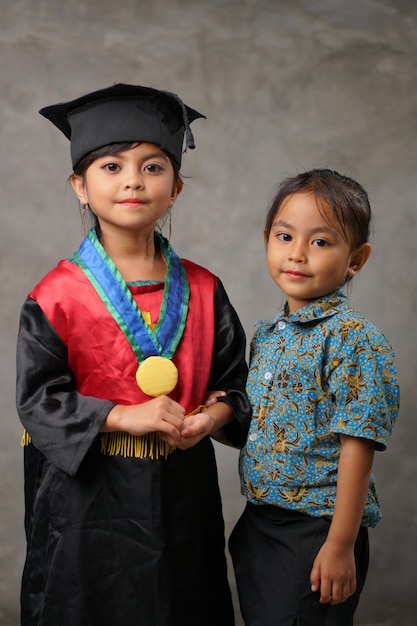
column 315, row 310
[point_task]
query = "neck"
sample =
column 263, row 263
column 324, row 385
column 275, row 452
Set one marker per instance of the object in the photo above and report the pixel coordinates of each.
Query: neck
column 134, row 255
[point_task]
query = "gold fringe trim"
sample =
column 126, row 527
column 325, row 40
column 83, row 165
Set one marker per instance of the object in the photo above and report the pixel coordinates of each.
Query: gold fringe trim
column 140, row 447
column 26, row 439
column 127, row 445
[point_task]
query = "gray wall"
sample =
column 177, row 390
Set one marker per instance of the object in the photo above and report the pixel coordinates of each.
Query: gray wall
column 286, row 85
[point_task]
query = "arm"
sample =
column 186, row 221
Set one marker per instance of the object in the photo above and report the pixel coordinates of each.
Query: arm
column 226, row 420
column 365, row 392
column 61, row 422
column 334, row 571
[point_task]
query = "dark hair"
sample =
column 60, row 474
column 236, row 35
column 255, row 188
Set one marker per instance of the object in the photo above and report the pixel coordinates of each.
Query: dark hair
column 114, row 149
column 110, row 150
column 346, row 199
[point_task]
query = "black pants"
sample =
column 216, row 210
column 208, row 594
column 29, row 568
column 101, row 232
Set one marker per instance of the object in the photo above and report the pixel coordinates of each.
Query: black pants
column 273, row 551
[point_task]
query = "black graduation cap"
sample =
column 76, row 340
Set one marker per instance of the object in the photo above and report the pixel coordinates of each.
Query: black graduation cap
column 124, row 113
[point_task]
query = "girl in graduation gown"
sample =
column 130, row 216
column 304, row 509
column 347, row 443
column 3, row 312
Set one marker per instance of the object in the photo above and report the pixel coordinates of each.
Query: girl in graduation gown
column 117, row 348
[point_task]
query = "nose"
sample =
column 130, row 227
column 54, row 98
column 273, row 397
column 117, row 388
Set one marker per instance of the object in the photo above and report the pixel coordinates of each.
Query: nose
column 297, row 251
column 134, row 178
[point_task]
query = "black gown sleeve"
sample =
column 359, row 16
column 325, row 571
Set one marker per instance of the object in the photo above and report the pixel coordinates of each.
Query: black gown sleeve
column 61, row 422
column 229, row 369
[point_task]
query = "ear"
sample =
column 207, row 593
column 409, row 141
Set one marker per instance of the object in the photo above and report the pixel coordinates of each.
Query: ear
column 265, row 238
column 78, row 185
column 176, row 190
column 358, row 259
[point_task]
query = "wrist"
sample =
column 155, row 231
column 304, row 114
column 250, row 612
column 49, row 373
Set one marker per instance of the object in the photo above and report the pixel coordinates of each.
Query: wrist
column 113, row 420
column 343, row 540
column 220, row 414
column 213, row 424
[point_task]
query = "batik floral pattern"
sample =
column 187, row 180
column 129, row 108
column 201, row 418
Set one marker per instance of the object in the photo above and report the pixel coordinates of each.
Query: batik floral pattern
column 314, row 375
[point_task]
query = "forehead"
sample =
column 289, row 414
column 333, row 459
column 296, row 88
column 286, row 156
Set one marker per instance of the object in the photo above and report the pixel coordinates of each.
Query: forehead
column 302, row 204
column 304, row 209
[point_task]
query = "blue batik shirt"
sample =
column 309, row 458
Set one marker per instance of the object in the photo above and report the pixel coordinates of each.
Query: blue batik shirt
column 314, row 375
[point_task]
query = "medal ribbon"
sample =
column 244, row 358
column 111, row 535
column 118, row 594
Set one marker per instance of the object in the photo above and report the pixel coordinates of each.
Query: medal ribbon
column 115, row 294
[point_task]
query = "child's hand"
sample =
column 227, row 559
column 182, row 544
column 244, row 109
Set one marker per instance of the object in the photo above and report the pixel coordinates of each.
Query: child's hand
column 211, row 397
column 162, row 415
column 195, row 428
column 334, row 573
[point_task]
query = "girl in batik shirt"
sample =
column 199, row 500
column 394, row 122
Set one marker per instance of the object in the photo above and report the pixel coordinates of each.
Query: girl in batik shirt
column 117, row 347
column 324, row 393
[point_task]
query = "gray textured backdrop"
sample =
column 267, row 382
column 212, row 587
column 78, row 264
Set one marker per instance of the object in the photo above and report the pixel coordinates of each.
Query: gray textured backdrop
column 286, row 85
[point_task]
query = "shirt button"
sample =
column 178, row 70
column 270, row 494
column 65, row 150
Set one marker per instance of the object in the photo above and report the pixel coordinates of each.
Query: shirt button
column 253, row 437
column 281, row 325
column 268, row 375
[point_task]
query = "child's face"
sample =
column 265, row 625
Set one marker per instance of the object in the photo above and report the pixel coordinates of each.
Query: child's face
column 308, row 256
column 131, row 190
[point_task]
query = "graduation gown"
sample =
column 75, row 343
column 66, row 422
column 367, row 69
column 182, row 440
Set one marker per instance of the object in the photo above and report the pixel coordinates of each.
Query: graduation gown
column 113, row 538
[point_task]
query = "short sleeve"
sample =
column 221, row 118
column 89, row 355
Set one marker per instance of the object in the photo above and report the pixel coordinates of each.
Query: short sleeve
column 363, row 382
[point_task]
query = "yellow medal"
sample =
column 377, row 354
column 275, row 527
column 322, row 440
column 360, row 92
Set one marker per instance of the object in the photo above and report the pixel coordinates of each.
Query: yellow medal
column 157, row 376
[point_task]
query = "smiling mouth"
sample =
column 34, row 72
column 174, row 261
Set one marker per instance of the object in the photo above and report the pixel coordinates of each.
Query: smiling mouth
column 293, row 274
column 132, row 201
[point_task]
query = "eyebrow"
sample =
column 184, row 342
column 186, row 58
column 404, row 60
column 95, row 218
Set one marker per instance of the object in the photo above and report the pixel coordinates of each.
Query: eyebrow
column 146, row 157
column 319, row 229
column 156, row 154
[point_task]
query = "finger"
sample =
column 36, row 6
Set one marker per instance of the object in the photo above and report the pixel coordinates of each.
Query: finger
column 200, row 424
column 170, row 434
column 211, row 396
column 340, row 592
column 335, row 592
column 315, row 577
column 325, row 591
column 192, row 429
column 345, row 591
column 177, row 407
column 167, row 402
column 169, row 410
column 173, row 419
column 315, row 580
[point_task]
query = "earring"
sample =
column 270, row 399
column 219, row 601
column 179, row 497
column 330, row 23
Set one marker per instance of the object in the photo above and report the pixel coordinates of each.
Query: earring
column 85, row 211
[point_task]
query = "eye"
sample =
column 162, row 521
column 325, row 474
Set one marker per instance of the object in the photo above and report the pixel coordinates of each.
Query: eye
column 284, row 237
column 111, row 167
column 320, row 243
column 154, row 168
